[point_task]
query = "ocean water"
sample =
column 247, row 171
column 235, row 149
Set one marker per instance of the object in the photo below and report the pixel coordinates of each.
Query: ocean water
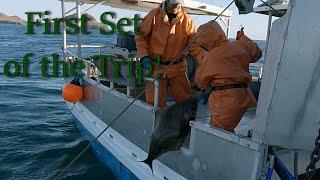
column 38, row 135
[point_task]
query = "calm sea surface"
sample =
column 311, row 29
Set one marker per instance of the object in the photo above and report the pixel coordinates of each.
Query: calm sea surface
column 38, row 136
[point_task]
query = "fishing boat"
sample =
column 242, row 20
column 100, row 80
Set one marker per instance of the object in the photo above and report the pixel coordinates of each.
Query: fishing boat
column 280, row 134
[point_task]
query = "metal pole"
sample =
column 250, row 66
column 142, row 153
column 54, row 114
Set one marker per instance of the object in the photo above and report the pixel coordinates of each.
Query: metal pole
column 228, row 27
column 128, row 91
column 156, row 93
column 97, row 69
column 79, row 23
column 268, row 34
column 267, row 43
column 64, row 32
column 227, row 24
column 79, row 54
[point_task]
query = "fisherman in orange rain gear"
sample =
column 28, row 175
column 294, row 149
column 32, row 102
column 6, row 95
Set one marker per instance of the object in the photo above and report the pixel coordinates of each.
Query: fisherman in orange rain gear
column 224, row 66
column 165, row 32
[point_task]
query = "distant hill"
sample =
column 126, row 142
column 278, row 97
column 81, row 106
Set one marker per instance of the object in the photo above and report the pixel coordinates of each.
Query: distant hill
column 92, row 23
column 11, row 19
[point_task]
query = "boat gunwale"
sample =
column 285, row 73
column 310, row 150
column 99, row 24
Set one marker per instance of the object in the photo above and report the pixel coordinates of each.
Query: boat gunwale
column 117, row 142
column 229, row 136
column 118, row 94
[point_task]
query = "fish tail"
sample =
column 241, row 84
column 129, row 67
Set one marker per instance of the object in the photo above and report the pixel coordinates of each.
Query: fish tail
column 148, row 161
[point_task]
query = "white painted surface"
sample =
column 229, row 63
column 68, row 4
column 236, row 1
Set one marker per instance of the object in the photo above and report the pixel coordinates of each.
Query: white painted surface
column 288, row 110
column 121, row 148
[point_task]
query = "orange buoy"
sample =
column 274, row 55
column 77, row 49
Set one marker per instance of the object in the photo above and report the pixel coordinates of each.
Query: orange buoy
column 72, row 92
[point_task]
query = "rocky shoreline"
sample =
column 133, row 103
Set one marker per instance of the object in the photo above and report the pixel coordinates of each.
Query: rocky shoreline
column 5, row 19
column 11, row 19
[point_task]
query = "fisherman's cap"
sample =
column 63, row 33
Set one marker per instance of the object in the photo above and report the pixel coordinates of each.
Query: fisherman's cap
column 175, row 1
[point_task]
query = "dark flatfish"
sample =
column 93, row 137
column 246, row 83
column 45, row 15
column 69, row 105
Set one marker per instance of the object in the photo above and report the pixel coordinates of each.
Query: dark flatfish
column 171, row 128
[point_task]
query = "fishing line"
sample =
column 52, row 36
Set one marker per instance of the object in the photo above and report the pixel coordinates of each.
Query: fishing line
column 74, row 105
column 224, row 10
column 92, row 141
column 134, row 100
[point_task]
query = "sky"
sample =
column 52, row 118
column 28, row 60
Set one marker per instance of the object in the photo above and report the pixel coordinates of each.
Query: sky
column 255, row 24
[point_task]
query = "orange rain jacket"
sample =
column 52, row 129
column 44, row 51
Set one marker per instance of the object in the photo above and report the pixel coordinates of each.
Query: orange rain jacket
column 160, row 37
column 209, row 35
column 225, row 63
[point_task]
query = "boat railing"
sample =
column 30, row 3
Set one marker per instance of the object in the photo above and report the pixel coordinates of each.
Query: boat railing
column 93, row 71
column 193, row 7
column 256, row 71
column 156, row 90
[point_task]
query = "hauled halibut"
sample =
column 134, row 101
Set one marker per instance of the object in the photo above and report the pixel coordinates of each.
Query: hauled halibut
column 171, row 128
